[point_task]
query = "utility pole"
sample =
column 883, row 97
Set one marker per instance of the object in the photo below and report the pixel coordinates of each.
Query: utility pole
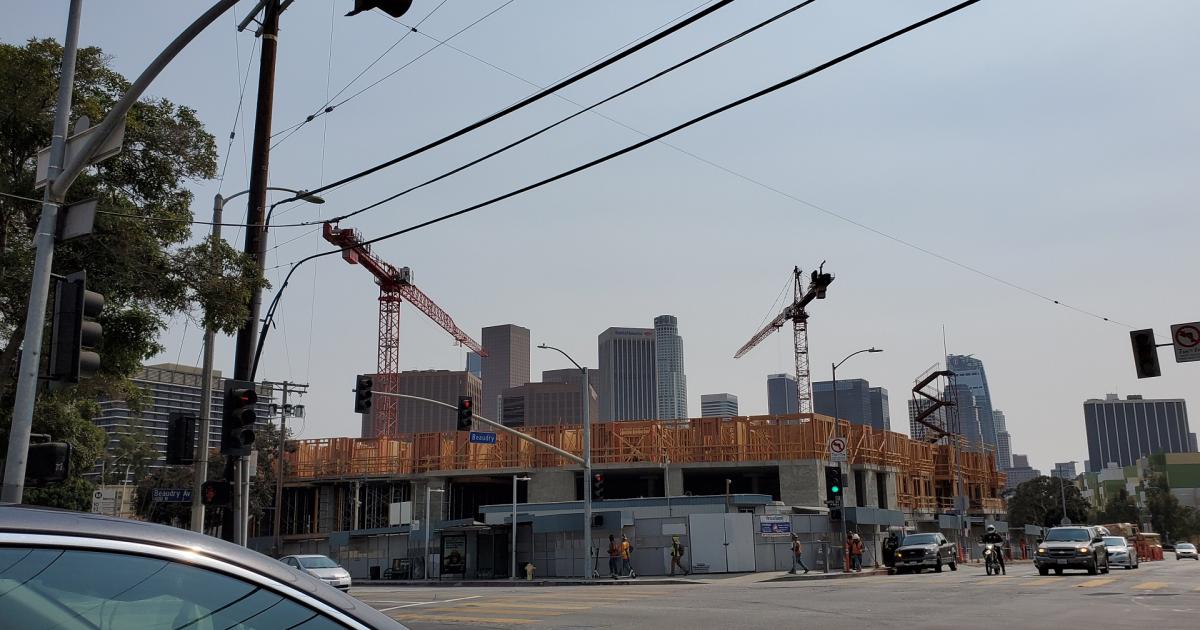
column 200, row 473
column 285, row 411
column 39, row 291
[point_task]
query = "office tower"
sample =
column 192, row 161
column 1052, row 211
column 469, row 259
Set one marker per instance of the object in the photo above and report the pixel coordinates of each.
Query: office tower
column 671, row 384
column 1020, row 472
column 547, row 403
column 718, row 405
column 965, row 414
column 857, row 402
column 475, row 364
column 167, row 388
column 416, row 416
column 1121, row 431
column 918, row 431
column 1192, row 443
column 881, row 414
column 507, row 364
column 627, row 384
column 1064, row 470
column 1003, row 440
column 969, row 371
column 781, row 394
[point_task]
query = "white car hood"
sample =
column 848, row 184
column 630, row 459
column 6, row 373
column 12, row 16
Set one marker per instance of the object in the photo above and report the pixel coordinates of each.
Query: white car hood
column 329, row 574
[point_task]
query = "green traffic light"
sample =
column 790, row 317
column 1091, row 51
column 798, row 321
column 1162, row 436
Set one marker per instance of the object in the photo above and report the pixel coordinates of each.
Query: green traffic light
column 836, row 489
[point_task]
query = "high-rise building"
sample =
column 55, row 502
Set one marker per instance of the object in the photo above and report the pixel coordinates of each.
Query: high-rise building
column 965, row 414
column 416, row 416
column 1121, row 431
column 857, row 402
column 1003, row 440
column 505, row 366
column 627, row 382
column 969, row 371
column 548, row 403
column 475, row 364
column 718, row 405
column 671, row 383
column 1192, row 443
column 781, row 394
column 167, row 388
column 1020, row 472
column 918, row 431
column 1064, row 470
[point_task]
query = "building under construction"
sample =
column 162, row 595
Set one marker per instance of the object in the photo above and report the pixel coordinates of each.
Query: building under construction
column 363, row 500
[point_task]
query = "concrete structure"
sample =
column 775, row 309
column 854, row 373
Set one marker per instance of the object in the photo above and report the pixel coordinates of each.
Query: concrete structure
column 969, row 371
column 541, row 404
column 1064, row 470
column 415, row 416
column 718, row 405
column 670, row 380
column 1003, row 440
column 475, row 364
column 781, row 394
column 507, row 364
column 627, row 384
column 1020, row 472
column 167, row 388
column 857, row 402
column 1122, row 431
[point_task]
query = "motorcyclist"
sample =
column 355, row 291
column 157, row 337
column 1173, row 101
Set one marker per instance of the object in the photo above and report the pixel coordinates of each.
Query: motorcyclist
column 994, row 538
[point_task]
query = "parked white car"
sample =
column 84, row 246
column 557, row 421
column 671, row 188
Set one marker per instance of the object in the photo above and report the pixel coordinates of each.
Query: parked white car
column 320, row 567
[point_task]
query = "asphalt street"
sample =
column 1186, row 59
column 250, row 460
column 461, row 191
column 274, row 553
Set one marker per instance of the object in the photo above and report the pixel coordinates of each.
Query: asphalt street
column 1162, row 595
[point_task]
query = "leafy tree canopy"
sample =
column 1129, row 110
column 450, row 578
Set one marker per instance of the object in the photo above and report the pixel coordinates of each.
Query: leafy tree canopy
column 1039, row 502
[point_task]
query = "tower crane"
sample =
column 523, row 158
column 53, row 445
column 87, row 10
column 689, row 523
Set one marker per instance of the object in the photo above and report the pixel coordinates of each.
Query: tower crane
column 395, row 286
column 797, row 313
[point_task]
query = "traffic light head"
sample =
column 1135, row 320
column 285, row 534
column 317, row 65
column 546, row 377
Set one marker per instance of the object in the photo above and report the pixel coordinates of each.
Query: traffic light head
column 48, row 462
column 466, row 412
column 238, row 418
column 598, row 486
column 76, row 333
column 181, row 441
column 833, row 483
column 216, row 493
column 1145, row 353
column 362, row 394
column 394, row 8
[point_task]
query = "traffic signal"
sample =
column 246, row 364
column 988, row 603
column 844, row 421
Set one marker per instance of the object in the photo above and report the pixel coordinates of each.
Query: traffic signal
column 1145, row 353
column 216, row 493
column 835, row 514
column 394, row 8
column 598, row 487
column 466, row 412
column 238, row 418
column 362, row 394
column 833, row 483
column 48, row 462
column 76, row 334
column 181, row 439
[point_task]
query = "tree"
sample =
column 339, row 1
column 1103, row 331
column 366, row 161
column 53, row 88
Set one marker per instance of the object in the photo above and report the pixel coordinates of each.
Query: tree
column 137, row 256
column 130, row 458
column 1167, row 516
column 1039, row 502
column 1120, row 509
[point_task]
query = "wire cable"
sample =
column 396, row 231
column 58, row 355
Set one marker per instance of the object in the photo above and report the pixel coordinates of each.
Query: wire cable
column 610, row 156
column 528, row 100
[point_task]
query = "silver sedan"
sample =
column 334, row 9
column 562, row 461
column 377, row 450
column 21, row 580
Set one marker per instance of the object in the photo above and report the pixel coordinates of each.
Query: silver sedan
column 1120, row 553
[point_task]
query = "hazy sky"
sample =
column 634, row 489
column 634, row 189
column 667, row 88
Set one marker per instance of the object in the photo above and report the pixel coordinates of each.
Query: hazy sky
column 1051, row 144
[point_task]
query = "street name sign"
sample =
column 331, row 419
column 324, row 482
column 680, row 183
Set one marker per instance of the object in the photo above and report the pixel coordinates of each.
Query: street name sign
column 483, row 437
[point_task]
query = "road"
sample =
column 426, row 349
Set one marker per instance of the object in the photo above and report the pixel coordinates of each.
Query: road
column 1160, row 595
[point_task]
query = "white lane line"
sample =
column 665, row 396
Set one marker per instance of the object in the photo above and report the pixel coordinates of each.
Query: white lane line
column 440, row 601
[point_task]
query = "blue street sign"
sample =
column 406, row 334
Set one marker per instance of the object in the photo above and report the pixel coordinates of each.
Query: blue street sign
column 483, row 437
column 172, row 495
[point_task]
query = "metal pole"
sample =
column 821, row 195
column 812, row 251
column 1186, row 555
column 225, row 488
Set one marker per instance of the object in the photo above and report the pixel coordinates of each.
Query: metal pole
column 245, row 501
column 200, row 473
column 39, row 291
column 428, row 526
column 837, row 424
column 587, row 475
column 278, row 520
column 1065, row 519
column 667, row 483
column 514, row 531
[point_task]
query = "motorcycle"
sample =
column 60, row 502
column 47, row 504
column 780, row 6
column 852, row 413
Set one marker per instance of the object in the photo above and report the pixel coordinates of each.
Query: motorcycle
column 991, row 559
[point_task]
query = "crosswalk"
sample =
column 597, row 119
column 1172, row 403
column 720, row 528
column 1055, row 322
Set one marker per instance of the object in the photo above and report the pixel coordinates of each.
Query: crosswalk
column 1123, row 583
column 520, row 608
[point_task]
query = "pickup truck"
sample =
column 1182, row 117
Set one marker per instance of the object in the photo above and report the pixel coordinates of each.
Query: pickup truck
column 932, row 550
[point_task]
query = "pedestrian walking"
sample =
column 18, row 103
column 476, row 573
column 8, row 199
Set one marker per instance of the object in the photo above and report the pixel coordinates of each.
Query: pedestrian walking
column 797, row 559
column 626, row 556
column 856, row 552
column 614, row 557
column 677, row 556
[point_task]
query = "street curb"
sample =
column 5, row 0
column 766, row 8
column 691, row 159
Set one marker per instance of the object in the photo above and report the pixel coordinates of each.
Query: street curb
column 824, row 576
column 515, row 583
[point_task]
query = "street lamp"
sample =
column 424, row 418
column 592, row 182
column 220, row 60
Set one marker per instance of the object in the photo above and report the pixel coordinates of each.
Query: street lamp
column 587, row 460
column 837, row 429
column 428, row 524
column 1062, row 478
column 514, row 527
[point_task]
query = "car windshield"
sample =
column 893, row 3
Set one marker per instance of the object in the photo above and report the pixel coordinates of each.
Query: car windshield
column 1185, row 547
column 921, row 539
column 1069, row 534
column 1114, row 541
column 317, row 562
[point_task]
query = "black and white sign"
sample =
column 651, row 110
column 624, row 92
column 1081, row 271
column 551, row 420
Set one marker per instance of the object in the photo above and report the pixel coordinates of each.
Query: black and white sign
column 1186, row 339
column 836, row 448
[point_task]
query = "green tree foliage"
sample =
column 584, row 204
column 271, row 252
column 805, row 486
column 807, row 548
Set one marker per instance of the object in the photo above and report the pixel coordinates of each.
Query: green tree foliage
column 1119, row 509
column 1039, row 502
column 142, row 263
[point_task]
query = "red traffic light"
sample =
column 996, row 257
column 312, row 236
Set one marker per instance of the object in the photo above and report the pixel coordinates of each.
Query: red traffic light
column 466, row 404
column 246, row 396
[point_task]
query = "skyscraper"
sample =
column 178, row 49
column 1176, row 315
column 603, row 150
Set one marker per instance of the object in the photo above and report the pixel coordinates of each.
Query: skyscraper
column 718, row 405
column 881, row 414
column 507, row 364
column 781, row 394
column 627, row 383
column 1020, row 472
column 918, row 431
column 547, row 403
column 416, row 416
column 857, row 402
column 1064, row 470
column 965, row 415
column 1121, row 431
column 969, row 371
column 1003, row 440
column 475, row 364
column 671, row 383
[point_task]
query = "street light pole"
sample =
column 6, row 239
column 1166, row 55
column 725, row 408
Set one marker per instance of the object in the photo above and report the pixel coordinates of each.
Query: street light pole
column 586, row 401
column 513, row 566
column 843, row 469
column 428, row 525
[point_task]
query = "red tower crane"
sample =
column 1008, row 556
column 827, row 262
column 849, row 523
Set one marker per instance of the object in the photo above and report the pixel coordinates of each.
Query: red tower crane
column 395, row 286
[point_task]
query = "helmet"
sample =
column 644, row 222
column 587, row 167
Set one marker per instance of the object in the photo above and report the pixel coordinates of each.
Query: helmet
column 991, row 529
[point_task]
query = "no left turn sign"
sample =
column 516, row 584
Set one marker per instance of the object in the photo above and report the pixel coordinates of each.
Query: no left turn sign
column 1186, row 339
column 836, row 447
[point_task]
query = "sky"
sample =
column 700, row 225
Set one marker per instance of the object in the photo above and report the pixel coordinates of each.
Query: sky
column 957, row 181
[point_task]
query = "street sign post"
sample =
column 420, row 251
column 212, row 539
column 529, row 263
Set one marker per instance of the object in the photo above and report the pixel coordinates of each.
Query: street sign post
column 1186, row 339
column 483, row 437
column 836, row 448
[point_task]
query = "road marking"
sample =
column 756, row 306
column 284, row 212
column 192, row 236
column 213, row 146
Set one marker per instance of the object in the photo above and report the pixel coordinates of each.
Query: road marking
column 1151, row 586
column 1095, row 583
column 463, row 619
column 443, row 601
column 539, row 607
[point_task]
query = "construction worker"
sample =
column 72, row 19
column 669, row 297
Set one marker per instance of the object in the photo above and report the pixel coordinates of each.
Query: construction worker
column 994, row 537
column 796, row 555
column 677, row 555
column 626, row 556
column 856, row 552
column 614, row 556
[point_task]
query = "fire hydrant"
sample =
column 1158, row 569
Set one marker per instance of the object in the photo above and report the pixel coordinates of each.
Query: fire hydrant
column 529, row 570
